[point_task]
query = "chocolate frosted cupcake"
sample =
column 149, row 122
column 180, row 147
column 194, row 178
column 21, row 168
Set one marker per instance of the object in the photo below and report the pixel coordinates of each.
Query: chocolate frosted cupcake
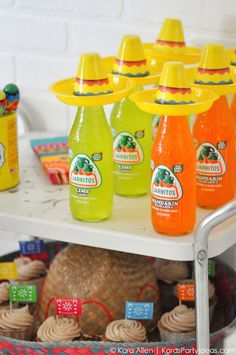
column 31, row 272
column 178, row 324
column 211, row 294
column 129, row 331
column 61, row 329
column 169, row 273
column 17, row 323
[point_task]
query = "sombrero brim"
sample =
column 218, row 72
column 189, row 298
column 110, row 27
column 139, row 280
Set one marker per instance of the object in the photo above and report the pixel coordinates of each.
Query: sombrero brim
column 189, row 55
column 145, row 100
column 120, row 86
column 218, row 89
column 153, row 67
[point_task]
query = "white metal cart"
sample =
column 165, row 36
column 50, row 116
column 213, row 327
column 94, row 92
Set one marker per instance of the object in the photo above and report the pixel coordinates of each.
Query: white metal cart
column 38, row 208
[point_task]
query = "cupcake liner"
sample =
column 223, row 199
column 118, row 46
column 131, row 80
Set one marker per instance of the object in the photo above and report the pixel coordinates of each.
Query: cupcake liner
column 21, row 334
column 174, row 336
column 168, row 298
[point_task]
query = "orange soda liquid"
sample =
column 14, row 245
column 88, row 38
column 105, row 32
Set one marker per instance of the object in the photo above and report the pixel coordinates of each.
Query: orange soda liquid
column 233, row 109
column 214, row 133
column 173, row 186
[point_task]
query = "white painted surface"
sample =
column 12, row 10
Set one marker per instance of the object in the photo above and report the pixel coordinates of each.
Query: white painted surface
column 38, row 208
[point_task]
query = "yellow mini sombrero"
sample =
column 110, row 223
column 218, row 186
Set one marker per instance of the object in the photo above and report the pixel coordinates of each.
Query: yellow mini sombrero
column 170, row 45
column 131, row 62
column 174, row 96
column 91, row 86
column 214, row 72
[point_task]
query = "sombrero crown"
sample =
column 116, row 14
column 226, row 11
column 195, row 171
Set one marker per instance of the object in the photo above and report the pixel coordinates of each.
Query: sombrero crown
column 91, row 78
column 130, row 60
column 173, row 86
column 171, row 36
column 213, row 68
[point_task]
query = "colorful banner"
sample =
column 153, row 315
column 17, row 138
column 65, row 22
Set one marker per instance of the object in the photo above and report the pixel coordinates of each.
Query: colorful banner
column 31, row 247
column 68, row 306
column 23, row 293
column 186, row 292
column 8, row 271
column 138, row 310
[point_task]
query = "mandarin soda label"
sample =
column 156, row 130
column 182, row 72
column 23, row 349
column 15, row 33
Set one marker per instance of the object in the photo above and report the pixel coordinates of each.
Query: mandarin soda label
column 126, row 149
column 211, row 164
column 166, row 189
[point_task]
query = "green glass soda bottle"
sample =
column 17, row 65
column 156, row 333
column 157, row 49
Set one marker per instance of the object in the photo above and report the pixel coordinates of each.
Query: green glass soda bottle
column 131, row 127
column 90, row 139
column 132, row 134
column 90, row 151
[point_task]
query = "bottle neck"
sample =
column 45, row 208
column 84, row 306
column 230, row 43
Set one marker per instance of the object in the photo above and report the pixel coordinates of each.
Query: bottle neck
column 173, row 125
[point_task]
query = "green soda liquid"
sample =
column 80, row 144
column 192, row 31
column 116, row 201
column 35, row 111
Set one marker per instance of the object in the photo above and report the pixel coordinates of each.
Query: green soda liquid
column 90, row 151
column 132, row 139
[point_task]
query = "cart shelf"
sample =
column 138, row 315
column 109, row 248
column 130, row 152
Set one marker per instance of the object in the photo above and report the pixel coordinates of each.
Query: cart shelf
column 38, row 208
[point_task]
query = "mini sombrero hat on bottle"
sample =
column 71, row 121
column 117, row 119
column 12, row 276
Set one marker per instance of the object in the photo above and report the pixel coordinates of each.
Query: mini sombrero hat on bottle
column 174, row 96
column 213, row 72
column 131, row 62
column 170, row 44
column 91, row 86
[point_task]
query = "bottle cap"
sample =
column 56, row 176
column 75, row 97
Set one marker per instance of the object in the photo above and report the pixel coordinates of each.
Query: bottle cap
column 214, row 71
column 130, row 60
column 170, row 44
column 174, row 96
column 91, row 78
column 171, row 35
column 92, row 86
column 173, row 86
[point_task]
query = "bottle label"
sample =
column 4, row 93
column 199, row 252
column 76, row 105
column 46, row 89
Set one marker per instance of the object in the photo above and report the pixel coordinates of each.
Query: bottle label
column 84, row 173
column 127, row 150
column 2, row 155
column 210, row 163
column 166, row 190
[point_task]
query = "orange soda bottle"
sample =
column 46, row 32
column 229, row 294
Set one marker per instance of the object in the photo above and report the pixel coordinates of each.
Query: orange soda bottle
column 214, row 132
column 173, row 177
column 173, row 186
column 233, row 109
column 215, row 137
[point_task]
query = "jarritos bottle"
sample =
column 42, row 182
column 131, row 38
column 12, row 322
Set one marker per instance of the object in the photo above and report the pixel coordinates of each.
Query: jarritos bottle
column 214, row 132
column 170, row 46
column 131, row 127
column 173, row 185
column 90, row 140
column 9, row 165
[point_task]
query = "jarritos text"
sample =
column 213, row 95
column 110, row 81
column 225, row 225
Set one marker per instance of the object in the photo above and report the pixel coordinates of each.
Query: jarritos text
column 84, row 172
column 210, row 163
column 166, row 188
column 127, row 150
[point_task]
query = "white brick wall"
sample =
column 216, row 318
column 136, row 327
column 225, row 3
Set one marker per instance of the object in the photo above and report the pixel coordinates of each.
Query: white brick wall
column 41, row 41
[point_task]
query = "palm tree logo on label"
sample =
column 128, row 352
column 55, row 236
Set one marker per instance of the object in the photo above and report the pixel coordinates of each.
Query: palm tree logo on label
column 165, row 185
column 84, row 172
column 210, row 162
column 126, row 149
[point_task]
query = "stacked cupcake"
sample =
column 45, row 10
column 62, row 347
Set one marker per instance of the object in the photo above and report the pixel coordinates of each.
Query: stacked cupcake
column 31, row 272
column 17, row 323
column 169, row 273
